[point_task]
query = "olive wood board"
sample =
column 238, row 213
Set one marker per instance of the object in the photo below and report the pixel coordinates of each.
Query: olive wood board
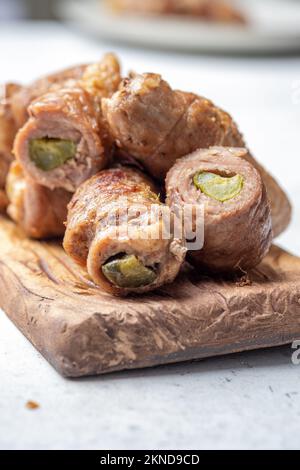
column 83, row 331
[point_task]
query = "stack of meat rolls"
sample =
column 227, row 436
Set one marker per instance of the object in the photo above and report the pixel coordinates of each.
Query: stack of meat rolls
column 63, row 142
column 158, row 125
column 70, row 133
column 237, row 217
column 135, row 258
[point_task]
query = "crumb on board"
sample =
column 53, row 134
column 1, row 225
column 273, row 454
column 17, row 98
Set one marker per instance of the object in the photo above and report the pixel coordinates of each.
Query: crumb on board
column 244, row 281
column 32, row 405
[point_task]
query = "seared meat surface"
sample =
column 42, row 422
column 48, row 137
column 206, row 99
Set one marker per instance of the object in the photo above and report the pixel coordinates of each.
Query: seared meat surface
column 110, row 231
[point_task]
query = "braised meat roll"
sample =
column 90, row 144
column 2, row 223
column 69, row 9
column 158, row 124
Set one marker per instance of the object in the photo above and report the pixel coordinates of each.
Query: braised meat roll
column 7, row 134
column 39, row 211
column 60, row 146
column 237, row 219
column 111, row 232
column 158, row 125
column 209, row 10
column 65, row 140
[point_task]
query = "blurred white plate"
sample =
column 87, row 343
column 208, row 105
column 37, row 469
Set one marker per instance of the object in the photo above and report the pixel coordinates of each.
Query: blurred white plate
column 274, row 27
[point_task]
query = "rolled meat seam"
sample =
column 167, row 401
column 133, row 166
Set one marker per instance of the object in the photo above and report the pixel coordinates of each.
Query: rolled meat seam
column 237, row 218
column 111, row 232
column 40, row 212
column 158, row 125
column 65, row 140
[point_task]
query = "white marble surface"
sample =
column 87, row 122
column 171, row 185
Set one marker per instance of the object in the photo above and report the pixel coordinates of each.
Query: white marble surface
column 249, row 400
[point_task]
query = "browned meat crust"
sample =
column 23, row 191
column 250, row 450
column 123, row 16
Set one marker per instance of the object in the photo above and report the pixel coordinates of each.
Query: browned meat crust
column 103, row 78
column 39, row 211
column 238, row 232
column 209, row 10
column 7, row 134
column 89, row 237
column 27, row 94
column 157, row 125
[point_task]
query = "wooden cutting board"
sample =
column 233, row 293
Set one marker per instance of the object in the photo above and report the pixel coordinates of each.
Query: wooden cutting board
column 83, row 331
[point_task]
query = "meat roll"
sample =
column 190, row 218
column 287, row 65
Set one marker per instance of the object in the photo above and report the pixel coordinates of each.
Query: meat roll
column 135, row 258
column 209, row 10
column 60, row 146
column 158, row 125
column 237, row 221
column 39, row 211
column 65, row 141
column 7, row 134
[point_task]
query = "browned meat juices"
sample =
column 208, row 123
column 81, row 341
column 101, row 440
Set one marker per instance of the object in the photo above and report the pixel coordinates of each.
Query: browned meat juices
column 137, row 257
column 39, row 211
column 65, row 140
column 237, row 221
column 158, row 125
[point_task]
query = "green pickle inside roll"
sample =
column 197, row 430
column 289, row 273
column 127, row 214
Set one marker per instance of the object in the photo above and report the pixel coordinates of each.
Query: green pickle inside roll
column 48, row 154
column 220, row 188
column 128, row 271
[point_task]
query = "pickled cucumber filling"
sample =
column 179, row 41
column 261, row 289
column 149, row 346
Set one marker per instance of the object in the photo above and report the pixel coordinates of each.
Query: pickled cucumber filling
column 48, row 154
column 220, row 188
column 128, row 271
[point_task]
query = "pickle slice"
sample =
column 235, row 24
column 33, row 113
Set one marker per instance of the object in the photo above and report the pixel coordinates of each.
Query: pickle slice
column 220, row 188
column 48, row 154
column 128, row 272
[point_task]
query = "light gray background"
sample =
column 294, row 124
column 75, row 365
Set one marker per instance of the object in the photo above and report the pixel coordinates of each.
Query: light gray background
column 249, row 400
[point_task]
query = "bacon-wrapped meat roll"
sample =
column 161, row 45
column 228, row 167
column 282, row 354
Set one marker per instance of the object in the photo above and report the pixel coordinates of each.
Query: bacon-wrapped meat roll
column 209, row 10
column 237, row 220
column 65, row 140
column 111, row 232
column 158, row 125
column 39, row 211
column 7, row 134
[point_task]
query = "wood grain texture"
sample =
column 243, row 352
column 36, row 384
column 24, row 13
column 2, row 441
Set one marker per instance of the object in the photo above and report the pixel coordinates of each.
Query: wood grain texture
column 83, row 331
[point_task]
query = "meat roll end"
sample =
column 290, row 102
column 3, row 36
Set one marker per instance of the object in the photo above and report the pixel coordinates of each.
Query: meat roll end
column 237, row 218
column 61, row 145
